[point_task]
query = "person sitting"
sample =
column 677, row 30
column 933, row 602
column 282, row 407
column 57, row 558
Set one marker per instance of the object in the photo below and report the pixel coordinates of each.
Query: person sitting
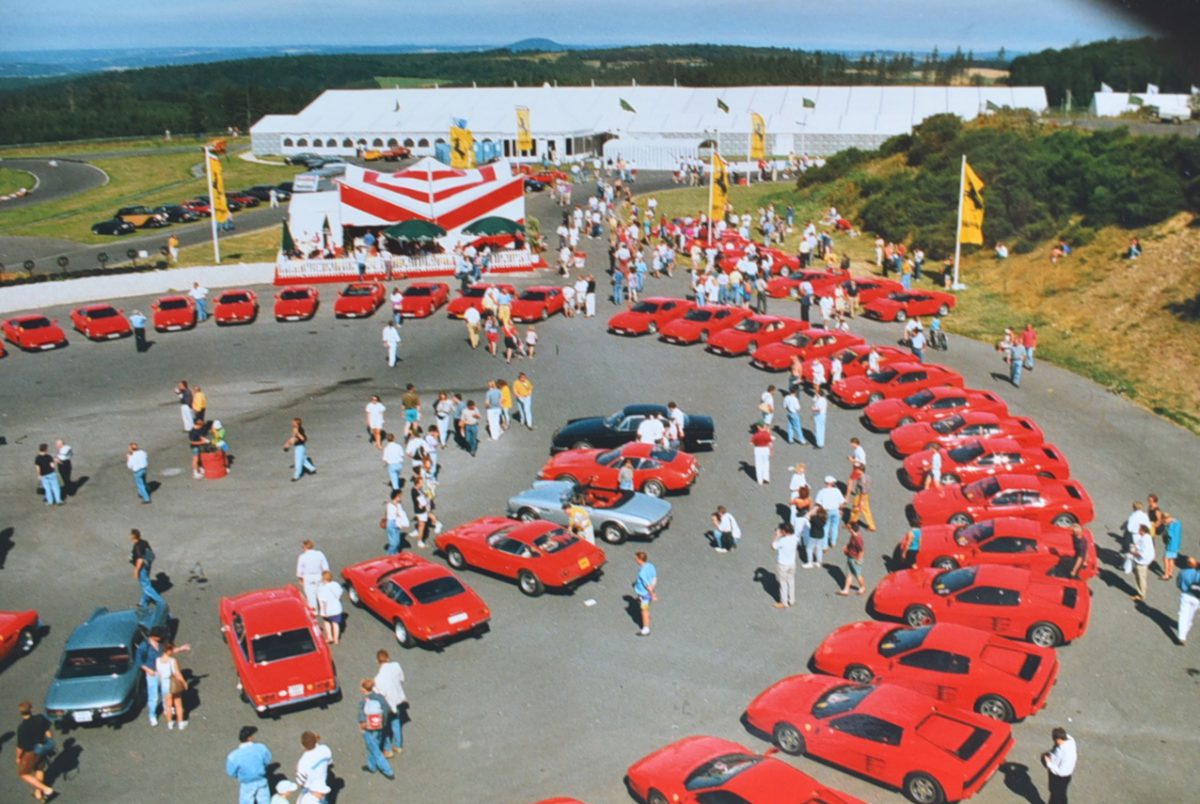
column 1135, row 249
column 1001, row 251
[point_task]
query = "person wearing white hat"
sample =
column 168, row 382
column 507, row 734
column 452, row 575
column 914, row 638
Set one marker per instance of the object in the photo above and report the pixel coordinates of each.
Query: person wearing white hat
column 831, row 500
column 283, row 792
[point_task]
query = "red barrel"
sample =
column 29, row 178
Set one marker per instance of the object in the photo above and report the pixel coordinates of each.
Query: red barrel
column 213, row 464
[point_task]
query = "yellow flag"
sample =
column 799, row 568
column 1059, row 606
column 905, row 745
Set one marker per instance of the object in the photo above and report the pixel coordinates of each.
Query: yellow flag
column 972, row 208
column 462, row 148
column 758, row 136
column 719, row 189
column 216, row 193
column 524, row 131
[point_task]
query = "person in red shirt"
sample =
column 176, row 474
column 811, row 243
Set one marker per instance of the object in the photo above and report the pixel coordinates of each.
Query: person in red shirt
column 762, row 440
column 1029, row 341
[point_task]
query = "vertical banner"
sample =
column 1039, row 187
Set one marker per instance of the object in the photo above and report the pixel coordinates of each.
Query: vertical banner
column 972, row 207
column 216, row 190
column 524, row 131
column 758, row 136
column 462, row 148
column 718, row 190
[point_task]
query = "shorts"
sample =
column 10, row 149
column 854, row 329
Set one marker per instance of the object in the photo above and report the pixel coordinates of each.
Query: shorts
column 423, row 517
column 195, row 450
column 30, row 763
column 644, row 600
column 336, row 619
column 854, row 565
column 412, row 414
column 510, row 343
column 492, row 337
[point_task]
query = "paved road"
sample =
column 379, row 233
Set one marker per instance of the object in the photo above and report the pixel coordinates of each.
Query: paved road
column 63, row 178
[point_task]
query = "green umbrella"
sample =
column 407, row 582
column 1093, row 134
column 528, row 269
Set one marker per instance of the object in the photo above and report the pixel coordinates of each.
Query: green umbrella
column 494, row 225
column 288, row 245
column 415, row 230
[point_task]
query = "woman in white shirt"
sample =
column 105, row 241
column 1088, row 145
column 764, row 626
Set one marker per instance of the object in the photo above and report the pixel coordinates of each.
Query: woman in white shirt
column 374, row 410
column 171, row 686
column 329, row 605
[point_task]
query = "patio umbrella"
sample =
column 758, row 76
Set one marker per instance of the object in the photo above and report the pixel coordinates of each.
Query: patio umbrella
column 494, row 225
column 415, row 230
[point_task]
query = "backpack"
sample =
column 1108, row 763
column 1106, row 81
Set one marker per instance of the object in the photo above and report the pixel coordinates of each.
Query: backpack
column 373, row 713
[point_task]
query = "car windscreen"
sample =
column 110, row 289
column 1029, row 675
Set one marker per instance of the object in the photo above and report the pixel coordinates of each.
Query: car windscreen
column 716, row 772
column 609, row 458
column 233, row 298
column 284, row 645
column 645, row 307
column 749, row 325
column 920, row 399
column 533, row 295
column 952, row 581
column 93, row 662
column 981, row 489
column 358, row 290
column 437, row 589
column 979, row 532
column 35, row 323
column 949, row 424
column 293, row 295
column 664, row 455
column 615, row 419
column 102, row 312
column 840, row 699
column 967, row 452
column 554, row 541
column 882, row 376
column 424, row 290
column 902, row 640
column 699, row 314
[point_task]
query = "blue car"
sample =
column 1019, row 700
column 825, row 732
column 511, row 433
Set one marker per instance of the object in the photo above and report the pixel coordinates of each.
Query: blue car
column 97, row 679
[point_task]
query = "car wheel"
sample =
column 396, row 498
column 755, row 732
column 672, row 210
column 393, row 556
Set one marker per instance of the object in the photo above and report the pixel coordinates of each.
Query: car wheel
column 581, row 445
column 945, row 563
column 1065, row 521
column 527, row 515
column 952, row 478
column 529, row 584
column 944, row 310
column 703, row 336
column 652, row 328
column 26, row 641
column 402, row 636
column 613, row 533
column 654, row 488
column 352, row 593
column 1046, row 635
column 995, row 707
column 242, row 694
column 904, row 421
column 455, row 558
column 567, row 479
column 923, row 789
column 859, row 673
column 656, row 797
column 961, row 519
column 918, row 615
column 901, row 315
column 875, row 397
column 789, row 739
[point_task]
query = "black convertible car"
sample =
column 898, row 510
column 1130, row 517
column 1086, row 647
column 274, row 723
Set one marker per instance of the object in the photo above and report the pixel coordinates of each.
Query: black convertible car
column 621, row 428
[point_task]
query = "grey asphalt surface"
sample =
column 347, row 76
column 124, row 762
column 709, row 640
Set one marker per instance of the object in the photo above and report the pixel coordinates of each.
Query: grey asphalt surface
column 560, row 697
column 64, row 178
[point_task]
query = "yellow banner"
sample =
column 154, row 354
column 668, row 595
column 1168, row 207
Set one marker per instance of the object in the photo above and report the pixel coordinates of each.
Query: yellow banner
column 524, row 131
column 462, row 148
column 216, row 193
column 758, row 136
column 719, row 189
column 972, row 208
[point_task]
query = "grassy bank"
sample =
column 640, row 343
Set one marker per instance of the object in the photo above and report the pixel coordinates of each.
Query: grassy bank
column 12, row 180
column 261, row 245
column 105, row 146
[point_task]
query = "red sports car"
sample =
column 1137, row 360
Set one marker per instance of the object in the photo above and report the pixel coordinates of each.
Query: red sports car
column 906, row 304
column 856, row 358
column 34, row 333
column 656, row 471
column 1009, row 601
column 1008, row 540
column 931, row 405
column 983, row 457
column 649, row 315
column 422, row 601
column 753, row 333
column 173, row 313
column 201, row 206
column 18, row 633
column 1061, row 503
column 707, row 770
column 101, row 322
column 538, row 303
column 895, row 381
column 358, row 300
column 701, row 323
column 887, row 733
column 537, row 554
column 423, row 299
column 473, row 297
column 278, row 650
column 810, row 344
column 955, row 664
column 296, row 303
column 782, row 287
column 238, row 306
column 869, row 289
column 955, row 428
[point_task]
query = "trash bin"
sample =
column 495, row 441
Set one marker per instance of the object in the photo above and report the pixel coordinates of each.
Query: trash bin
column 213, row 463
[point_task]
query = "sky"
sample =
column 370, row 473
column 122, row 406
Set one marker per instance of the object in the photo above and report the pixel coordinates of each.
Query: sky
column 916, row 25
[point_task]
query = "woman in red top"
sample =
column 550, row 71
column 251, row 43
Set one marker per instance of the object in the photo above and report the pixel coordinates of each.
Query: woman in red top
column 855, row 549
column 761, row 440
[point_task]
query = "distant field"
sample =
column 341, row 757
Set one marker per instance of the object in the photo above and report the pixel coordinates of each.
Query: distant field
column 102, row 146
column 408, row 82
column 12, row 180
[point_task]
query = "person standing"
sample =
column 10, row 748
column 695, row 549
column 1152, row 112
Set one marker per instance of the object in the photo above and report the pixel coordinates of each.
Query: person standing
column 831, row 501
column 395, row 521
column 786, row 546
column 329, row 606
column 141, row 556
column 372, row 714
column 766, row 405
column 859, row 489
column 855, row 549
column 1029, row 341
column 138, row 462
column 391, row 342
column 523, row 394
column 917, row 345
column 857, row 454
column 1137, row 518
column 312, row 769
column 1188, row 583
column 248, row 764
column 389, row 682
column 62, row 461
column 443, row 411
column 184, row 394
column 393, row 459
column 625, row 476
column 35, row 740
column 411, row 402
column 298, row 443
column 47, row 475
column 171, row 687
column 373, row 416
column 1172, row 531
column 1016, row 362
column 761, row 440
column 468, row 427
column 644, row 586
column 311, row 567
column 397, row 307
column 173, row 248
column 820, row 407
column 1060, row 764
column 589, row 299
column 472, row 319
column 726, row 532
column 795, row 425
column 491, row 403
column 273, row 198
column 199, row 295
column 138, row 321
column 1142, row 552
column 579, row 522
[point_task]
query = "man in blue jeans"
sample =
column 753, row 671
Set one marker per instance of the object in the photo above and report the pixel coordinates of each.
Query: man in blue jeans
column 248, row 764
column 48, row 475
column 142, row 557
column 138, row 462
column 373, row 712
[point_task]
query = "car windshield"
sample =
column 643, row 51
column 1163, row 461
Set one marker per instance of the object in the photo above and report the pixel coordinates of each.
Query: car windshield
column 840, row 699
column 920, row 399
column 234, row 298
column 293, row 295
column 979, row 532
column 949, row 424
column 749, row 325
column 902, row 640
column 102, row 312
column 284, row 645
column 699, row 314
column 609, row 458
column 664, row 455
column 717, row 772
column 981, row 489
column 615, row 419
column 92, row 662
column 437, row 589
column 883, row 376
column 646, row 307
column 799, row 340
column 35, row 323
column 967, row 452
column 950, row 582
column 554, row 541
column 357, row 290
column 422, row 290
column 475, row 293
column 533, row 295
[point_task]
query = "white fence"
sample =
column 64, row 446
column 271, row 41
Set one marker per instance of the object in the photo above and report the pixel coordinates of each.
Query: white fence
column 387, row 267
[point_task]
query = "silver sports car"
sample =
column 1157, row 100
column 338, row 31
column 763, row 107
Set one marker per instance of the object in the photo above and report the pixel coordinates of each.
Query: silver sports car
column 616, row 515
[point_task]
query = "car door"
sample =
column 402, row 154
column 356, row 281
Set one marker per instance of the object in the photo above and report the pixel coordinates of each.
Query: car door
column 990, row 608
column 504, row 556
column 936, row 673
column 240, row 648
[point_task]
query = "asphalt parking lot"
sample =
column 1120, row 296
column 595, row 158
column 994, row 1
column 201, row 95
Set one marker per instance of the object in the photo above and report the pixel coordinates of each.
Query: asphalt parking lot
column 559, row 697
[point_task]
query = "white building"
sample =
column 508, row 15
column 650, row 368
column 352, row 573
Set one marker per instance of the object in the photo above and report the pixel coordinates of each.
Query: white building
column 1173, row 107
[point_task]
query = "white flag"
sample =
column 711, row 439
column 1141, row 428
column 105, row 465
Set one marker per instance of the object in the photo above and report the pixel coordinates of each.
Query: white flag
column 1105, row 87
column 1151, row 89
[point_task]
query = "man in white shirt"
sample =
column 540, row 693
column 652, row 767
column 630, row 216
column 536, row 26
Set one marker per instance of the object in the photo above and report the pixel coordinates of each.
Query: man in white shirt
column 1137, row 518
column 820, row 407
column 1142, row 553
column 677, row 418
column 396, row 521
column 138, row 462
column 199, row 295
column 795, row 425
column 309, row 567
column 472, row 319
column 391, row 342
column 651, row 430
column 799, row 478
column 727, row 533
column 857, row 453
column 312, row 770
column 1060, row 764
column 786, row 547
column 393, row 459
column 831, row 500
column 766, row 405
column 389, row 682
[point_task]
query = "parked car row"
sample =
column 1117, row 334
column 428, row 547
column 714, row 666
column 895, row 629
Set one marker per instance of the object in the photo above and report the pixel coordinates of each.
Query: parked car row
column 127, row 220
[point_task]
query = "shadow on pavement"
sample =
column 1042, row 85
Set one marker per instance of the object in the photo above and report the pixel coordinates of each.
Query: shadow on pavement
column 1016, row 779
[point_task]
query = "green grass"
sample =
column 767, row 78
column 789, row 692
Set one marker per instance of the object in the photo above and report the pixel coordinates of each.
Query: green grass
column 12, row 180
column 261, row 245
column 409, row 82
column 103, row 146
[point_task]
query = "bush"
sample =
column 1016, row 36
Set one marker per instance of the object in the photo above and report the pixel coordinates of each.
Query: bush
column 835, row 167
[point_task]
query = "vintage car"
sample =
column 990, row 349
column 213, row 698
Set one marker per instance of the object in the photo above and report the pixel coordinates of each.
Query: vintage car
column 113, row 226
column 621, row 427
column 142, row 217
column 616, row 515
column 19, row 633
column 656, row 470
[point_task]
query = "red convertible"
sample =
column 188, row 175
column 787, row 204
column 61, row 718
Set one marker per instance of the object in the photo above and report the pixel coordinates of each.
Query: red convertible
column 18, row 633
column 957, row 665
column 538, row 303
column 1061, row 503
column 101, row 322
column 420, row 600
column 887, row 733
column 656, row 471
column 893, row 382
column 906, row 304
column 700, row 770
column 984, row 457
column 423, row 299
column 278, row 650
column 236, row 307
column 473, row 297
column 648, row 315
column 34, row 333
column 701, row 323
column 296, row 303
column 1007, row 540
column 782, row 287
column 931, row 405
column 956, row 428
column 537, row 554
column 1008, row 601
column 358, row 300
column 173, row 313
column 753, row 333
column 809, row 344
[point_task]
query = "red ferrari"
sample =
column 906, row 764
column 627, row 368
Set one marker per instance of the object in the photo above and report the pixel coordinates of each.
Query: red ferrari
column 753, row 333
column 358, row 300
column 34, row 333
column 701, row 323
column 537, row 554
column 895, row 381
column 101, row 322
column 782, row 287
column 422, row 601
column 869, row 289
column 1061, row 503
column 1010, row 541
column 173, row 313
column 538, row 303
column 984, row 457
column 423, row 299
column 954, row 664
column 1008, row 601
column 931, row 405
column 236, row 307
column 856, row 358
column 955, row 428
column 707, row 770
column 296, row 303
column 649, row 315
column 887, row 733
column 809, row 344
column 907, row 304
column 656, row 471
column 18, row 633
column 473, row 297
column 278, row 650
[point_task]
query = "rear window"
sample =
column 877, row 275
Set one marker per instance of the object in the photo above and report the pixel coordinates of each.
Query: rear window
column 284, row 645
column 419, row 291
column 94, row 662
column 533, row 295
column 437, row 589
column 357, row 290
column 102, row 312
column 35, row 323
column 698, row 314
column 949, row 424
column 718, row 771
column 294, row 295
column 174, row 304
column 645, row 307
column 234, row 298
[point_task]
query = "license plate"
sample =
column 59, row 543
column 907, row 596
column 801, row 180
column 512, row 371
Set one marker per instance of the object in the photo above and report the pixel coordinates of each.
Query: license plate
column 351, row 315
column 295, row 689
column 112, row 335
column 46, row 346
column 457, row 618
column 584, row 563
column 293, row 318
column 82, row 717
column 174, row 329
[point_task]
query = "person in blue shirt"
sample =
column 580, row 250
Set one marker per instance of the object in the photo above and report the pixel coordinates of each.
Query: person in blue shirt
column 248, row 764
column 138, row 322
column 643, row 587
column 1188, row 583
column 910, row 546
column 1172, row 541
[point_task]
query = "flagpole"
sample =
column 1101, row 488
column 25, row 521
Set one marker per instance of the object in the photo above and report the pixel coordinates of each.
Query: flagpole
column 962, row 188
column 712, row 178
column 212, row 206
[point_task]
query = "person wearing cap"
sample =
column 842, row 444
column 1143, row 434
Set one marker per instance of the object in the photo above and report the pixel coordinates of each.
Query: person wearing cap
column 831, row 500
column 283, row 792
column 248, row 764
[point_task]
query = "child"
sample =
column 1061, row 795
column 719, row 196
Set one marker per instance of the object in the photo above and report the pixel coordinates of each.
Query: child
column 531, row 339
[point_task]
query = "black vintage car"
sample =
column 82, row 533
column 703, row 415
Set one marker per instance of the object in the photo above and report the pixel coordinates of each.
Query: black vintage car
column 621, row 428
column 116, row 226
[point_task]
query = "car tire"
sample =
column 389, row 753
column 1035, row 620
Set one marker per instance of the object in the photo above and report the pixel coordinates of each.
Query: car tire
column 995, row 707
column 875, row 397
column 564, row 478
column 612, row 533
column 1065, row 521
column 352, row 593
column 951, row 478
column 918, row 615
column 901, row 315
column 528, row 583
column 527, row 515
column 1046, row 635
column 455, row 558
column 581, row 445
column 656, row 797
column 921, row 788
column 403, row 637
column 944, row 310
column 905, row 420
column 961, row 519
column 788, row 738
column 945, row 563
column 652, row 328
column 654, row 488
column 859, row 673
column 26, row 641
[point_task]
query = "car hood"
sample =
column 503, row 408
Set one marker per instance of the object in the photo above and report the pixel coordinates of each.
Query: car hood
column 641, row 506
column 907, row 436
column 885, row 304
column 884, row 410
column 90, row 693
column 629, row 319
column 848, row 642
column 903, row 587
column 775, row 354
column 938, row 499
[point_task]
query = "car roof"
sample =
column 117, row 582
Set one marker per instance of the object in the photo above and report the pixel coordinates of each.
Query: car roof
column 271, row 610
column 642, row 409
column 104, row 629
